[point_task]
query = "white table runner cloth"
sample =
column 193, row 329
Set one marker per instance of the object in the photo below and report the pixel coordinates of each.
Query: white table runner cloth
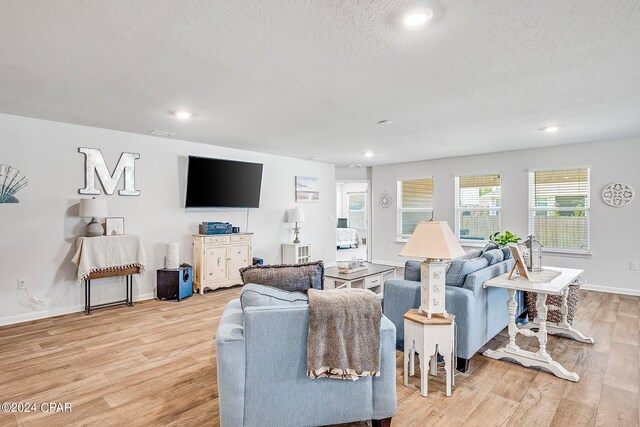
column 108, row 253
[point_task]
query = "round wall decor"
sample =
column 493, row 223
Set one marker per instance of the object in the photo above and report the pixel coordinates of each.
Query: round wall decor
column 385, row 200
column 618, row 194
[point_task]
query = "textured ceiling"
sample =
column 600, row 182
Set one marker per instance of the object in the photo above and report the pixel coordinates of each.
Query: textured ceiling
column 311, row 78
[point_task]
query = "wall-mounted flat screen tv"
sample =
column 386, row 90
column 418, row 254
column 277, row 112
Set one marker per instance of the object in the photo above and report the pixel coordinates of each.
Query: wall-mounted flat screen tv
column 219, row 183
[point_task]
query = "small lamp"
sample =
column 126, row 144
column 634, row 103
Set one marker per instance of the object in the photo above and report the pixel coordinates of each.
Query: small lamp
column 434, row 241
column 93, row 208
column 296, row 215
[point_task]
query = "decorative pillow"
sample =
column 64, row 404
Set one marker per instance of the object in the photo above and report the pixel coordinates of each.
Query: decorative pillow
column 412, row 270
column 295, row 278
column 490, row 246
column 473, row 253
column 460, row 268
column 494, row 256
column 258, row 295
column 506, row 252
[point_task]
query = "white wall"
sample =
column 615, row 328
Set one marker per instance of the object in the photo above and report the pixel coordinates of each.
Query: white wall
column 37, row 235
column 615, row 232
column 353, row 174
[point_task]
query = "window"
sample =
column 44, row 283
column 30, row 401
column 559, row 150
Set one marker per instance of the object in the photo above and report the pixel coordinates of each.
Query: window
column 415, row 204
column 357, row 213
column 559, row 208
column 477, row 206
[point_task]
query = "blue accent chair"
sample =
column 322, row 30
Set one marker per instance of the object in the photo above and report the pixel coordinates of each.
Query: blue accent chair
column 262, row 373
column 480, row 313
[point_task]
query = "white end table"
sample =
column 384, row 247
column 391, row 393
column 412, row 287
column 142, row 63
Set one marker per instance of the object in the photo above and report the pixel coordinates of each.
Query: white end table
column 428, row 337
column 556, row 286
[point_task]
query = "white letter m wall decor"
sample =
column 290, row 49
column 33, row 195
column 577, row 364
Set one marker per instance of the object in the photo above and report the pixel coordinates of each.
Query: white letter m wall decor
column 94, row 164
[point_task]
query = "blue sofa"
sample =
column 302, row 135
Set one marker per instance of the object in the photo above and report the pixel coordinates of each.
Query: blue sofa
column 480, row 313
column 262, row 373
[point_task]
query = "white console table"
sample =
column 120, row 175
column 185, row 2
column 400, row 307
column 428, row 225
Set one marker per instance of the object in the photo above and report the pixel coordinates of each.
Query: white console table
column 556, row 286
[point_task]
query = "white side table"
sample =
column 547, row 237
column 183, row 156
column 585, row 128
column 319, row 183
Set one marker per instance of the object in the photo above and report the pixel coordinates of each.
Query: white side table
column 428, row 337
column 538, row 283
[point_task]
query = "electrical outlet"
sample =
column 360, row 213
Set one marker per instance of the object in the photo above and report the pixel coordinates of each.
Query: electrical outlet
column 634, row 265
column 22, row 283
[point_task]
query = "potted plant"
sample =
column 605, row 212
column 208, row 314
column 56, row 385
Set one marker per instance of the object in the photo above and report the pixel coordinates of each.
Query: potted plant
column 503, row 239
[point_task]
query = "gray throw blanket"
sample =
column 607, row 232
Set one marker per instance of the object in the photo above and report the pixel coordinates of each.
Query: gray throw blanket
column 344, row 334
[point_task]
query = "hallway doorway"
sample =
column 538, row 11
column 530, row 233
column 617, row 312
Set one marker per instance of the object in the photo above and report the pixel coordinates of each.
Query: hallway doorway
column 352, row 227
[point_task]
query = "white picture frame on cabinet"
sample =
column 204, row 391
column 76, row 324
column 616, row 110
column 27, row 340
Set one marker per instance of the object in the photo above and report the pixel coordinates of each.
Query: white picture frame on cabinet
column 114, row 226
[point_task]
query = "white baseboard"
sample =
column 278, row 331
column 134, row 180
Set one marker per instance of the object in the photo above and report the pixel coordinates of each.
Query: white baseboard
column 610, row 289
column 53, row 312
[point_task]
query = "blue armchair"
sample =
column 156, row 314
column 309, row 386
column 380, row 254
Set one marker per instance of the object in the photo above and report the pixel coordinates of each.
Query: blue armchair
column 262, row 373
column 480, row 313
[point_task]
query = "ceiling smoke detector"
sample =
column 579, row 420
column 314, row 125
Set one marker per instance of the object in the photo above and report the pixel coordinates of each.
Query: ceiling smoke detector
column 161, row 133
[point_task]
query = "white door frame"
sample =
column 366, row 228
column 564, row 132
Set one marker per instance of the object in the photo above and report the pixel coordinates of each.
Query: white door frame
column 368, row 207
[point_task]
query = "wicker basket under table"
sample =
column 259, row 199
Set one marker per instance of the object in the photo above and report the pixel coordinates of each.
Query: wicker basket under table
column 555, row 300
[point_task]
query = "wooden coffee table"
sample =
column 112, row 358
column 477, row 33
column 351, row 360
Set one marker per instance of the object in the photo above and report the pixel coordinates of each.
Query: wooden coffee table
column 556, row 286
column 372, row 278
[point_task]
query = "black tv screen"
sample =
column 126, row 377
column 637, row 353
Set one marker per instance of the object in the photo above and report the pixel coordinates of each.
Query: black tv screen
column 218, row 183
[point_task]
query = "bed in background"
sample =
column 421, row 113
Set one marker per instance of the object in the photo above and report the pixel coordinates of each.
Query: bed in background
column 347, row 237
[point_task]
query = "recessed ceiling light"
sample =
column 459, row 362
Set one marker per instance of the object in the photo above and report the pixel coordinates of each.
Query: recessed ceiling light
column 183, row 114
column 368, row 154
column 384, row 122
column 551, row 129
column 418, row 17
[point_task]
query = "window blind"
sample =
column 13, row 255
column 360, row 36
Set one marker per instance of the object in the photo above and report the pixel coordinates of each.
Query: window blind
column 415, row 204
column 481, row 191
column 478, row 199
column 560, row 208
column 417, row 194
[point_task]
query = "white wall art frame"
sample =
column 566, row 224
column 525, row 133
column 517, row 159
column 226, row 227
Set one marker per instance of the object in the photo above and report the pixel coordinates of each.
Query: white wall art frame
column 618, row 194
column 307, row 189
column 114, row 226
column 385, row 200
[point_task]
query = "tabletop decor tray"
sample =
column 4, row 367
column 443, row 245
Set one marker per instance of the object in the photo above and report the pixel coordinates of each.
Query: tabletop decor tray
column 351, row 270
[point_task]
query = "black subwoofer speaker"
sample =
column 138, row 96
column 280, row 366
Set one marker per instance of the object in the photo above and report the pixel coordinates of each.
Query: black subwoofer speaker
column 175, row 284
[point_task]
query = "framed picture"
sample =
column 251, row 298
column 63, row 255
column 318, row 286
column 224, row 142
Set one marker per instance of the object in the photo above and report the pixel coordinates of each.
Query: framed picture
column 522, row 268
column 114, row 226
column 307, row 189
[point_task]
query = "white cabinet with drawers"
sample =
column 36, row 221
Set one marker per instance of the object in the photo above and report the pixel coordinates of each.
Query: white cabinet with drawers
column 217, row 259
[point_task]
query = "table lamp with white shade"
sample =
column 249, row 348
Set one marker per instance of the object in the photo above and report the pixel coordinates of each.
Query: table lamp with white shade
column 295, row 215
column 434, row 241
column 93, row 208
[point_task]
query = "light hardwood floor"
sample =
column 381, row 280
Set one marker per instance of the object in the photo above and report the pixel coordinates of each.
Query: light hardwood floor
column 154, row 364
